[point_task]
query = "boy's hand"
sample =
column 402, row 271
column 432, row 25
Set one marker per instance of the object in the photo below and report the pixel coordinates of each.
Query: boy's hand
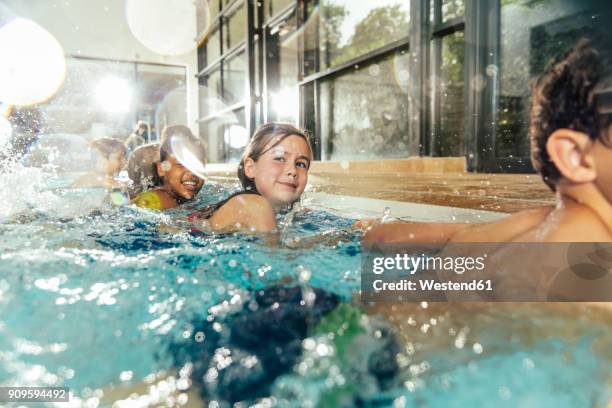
column 364, row 224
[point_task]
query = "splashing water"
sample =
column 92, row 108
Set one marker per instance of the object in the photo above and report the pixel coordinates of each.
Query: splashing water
column 96, row 296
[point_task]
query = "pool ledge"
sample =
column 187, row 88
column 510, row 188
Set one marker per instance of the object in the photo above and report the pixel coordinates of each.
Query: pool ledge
column 362, row 207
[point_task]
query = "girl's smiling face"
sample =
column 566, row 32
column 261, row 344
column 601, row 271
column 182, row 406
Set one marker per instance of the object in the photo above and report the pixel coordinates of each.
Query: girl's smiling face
column 281, row 172
column 178, row 180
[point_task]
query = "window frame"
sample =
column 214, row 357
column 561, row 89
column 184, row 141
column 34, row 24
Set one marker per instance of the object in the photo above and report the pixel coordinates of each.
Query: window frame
column 438, row 31
column 480, row 25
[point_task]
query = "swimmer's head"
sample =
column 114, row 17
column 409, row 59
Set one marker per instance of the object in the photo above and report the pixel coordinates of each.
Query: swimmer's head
column 113, row 154
column 141, row 168
column 178, row 179
column 141, row 127
column 571, row 116
column 276, row 163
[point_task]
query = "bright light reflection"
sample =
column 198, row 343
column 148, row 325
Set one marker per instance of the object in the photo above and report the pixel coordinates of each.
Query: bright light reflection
column 284, row 103
column 114, row 94
column 33, row 65
column 236, row 136
column 190, row 153
column 165, row 27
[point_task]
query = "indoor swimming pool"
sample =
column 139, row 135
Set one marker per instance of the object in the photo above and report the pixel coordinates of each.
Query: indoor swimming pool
column 104, row 299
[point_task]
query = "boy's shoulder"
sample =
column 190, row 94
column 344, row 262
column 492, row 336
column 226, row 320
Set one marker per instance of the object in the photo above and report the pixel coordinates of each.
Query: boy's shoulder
column 580, row 224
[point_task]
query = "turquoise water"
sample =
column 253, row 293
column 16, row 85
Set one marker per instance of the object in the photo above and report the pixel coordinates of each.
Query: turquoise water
column 92, row 296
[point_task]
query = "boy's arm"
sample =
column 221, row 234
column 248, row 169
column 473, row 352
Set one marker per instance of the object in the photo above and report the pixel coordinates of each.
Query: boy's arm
column 504, row 230
column 406, row 232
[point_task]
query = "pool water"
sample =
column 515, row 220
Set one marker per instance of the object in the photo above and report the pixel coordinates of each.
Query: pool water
column 94, row 296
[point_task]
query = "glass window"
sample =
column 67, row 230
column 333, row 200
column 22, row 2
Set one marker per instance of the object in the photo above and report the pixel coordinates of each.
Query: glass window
column 206, row 11
column 234, row 76
column 349, row 29
column 452, row 9
column 201, row 58
column 273, row 7
column 213, row 45
column 210, row 92
column 309, row 35
column 364, row 113
column 257, row 69
column 84, row 104
column 235, row 31
column 235, row 136
column 532, row 33
column 308, row 117
column 225, row 136
column 448, row 132
column 282, row 68
column 213, row 9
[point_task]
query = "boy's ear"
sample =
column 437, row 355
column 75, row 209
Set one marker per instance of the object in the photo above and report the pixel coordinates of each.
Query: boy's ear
column 570, row 151
column 249, row 167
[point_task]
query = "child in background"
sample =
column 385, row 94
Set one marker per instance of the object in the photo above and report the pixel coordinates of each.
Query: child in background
column 142, row 169
column 112, row 158
column 571, row 147
column 178, row 183
column 273, row 172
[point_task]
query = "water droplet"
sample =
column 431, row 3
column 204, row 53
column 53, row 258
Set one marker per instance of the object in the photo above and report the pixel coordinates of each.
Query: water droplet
column 504, row 393
column 492, row 69
column 323, row 349
column 304, row 274
column 126, row 375
column 374, row 70
column 309, row 344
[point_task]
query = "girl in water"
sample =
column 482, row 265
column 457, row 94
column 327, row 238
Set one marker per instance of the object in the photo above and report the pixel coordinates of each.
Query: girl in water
column 111, row 159
column 273, row 172
column 176, row 183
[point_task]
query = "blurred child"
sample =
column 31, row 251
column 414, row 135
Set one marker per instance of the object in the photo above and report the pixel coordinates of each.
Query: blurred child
column 137, row 137
column 142, row 169
column 111, row 159
column 273, row 172
column 178, row 183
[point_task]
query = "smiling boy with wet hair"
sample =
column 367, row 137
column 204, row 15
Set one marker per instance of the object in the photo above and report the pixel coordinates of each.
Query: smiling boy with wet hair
column 178, row 183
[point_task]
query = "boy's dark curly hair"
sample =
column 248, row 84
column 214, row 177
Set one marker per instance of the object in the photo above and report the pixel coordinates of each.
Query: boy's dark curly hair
column 565, row 97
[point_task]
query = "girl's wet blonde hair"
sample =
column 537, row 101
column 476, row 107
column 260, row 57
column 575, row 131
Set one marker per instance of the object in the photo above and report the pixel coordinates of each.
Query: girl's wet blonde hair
column 258, row 145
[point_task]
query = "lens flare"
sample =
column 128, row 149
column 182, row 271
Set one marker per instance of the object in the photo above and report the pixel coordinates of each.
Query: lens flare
column 190, row 152
column 166, row 27
column 236, row 136
column 173, row 108
column 401, row 70
column 285, row 104
column 33, row 65
column 114, row 94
